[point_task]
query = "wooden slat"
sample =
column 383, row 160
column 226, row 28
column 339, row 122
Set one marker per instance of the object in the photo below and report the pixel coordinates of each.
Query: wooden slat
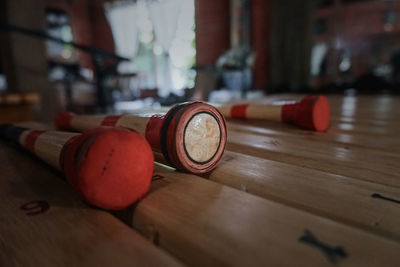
column 271, row 129
column 204, row 223
column 297, row 184
column 361, row 163
column 367, row 130
column 68, row 233
column 340, row 198
column 333, row 196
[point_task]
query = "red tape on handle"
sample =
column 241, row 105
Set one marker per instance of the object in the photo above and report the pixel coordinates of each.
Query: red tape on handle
column 153, row 131
column 31, row 138
column 110, row 120
column 239, row 111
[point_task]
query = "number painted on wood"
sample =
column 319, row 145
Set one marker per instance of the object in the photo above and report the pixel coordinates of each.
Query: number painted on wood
column 35, row 207
column 333, row 253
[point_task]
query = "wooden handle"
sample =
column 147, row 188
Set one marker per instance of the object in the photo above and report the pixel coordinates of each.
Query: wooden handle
column 247, row 111
column 47, row 145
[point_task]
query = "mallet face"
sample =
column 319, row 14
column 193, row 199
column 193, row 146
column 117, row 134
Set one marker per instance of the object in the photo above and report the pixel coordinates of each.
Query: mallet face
column 321, row 114
column 195, row 137
column 110, row 168
column 313, row 112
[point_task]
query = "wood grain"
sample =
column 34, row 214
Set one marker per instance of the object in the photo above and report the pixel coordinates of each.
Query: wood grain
column 333, row 135
column 337, row 197
column 281, row 196
column 361, row 163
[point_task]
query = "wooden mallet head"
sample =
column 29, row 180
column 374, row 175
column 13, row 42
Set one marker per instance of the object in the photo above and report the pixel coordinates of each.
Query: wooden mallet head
column 109, row 168
column 192, row 136
column 312, row 112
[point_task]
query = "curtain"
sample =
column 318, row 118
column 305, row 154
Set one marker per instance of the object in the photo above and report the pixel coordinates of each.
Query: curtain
column 122, row 17
column 164, row 15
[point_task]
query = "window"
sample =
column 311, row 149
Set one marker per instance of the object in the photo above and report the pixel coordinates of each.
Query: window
column 58, row 26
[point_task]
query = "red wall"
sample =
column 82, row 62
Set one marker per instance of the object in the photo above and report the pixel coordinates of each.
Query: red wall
column 212, row 35
column 359, row 26
column 260, row 41
column 212, row 30
column 89, row 25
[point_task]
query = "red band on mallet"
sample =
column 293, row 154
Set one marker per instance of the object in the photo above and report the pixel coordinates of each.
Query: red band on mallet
column 153, row 131
column 239, row 111
column 63, row 120
column 31, row 138
column 110, row 120
column 312, row 112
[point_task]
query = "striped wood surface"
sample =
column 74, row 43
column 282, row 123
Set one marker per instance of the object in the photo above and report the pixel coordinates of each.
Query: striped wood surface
column 281, row 196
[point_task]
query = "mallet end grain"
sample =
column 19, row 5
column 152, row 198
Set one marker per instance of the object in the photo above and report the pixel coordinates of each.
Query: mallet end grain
column 110, row 168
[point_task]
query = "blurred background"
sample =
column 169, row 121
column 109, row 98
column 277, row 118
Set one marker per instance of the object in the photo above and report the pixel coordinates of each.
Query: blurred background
column 113, row 56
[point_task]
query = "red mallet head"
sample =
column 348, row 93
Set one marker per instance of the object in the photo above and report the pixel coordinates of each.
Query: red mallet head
column 63, row 121
column 111, row 168
column 312, row 112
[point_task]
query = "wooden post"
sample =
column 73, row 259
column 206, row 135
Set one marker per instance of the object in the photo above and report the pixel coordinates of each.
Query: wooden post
column 24, row 58
column 291, row 43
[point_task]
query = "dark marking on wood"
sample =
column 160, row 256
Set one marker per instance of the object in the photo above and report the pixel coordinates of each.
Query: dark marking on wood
column 227, row 158
column 35, row 207
column 157, row 177
column 376, row 195
column 153, row 235
column 332, row 253
column 273, row 142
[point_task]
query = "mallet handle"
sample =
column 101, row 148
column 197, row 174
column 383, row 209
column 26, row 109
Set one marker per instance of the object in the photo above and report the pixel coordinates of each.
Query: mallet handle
column 47, row 145
column 133, row 122
column 250, row 111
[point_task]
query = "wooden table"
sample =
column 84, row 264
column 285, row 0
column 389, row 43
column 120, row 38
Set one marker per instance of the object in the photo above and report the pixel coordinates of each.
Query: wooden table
column 281, row 196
